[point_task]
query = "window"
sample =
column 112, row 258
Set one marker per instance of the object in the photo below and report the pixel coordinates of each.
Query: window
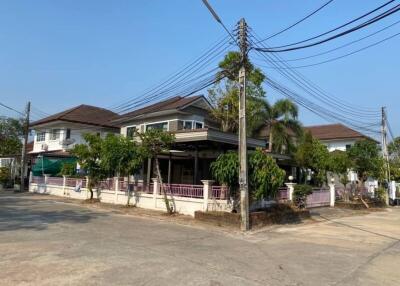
column 348, row 146
column 68, row 134
column 199, row 125
column 40, row 136
column 161, row 126
column 130, row 131
column 187, row 124
column 54, row 134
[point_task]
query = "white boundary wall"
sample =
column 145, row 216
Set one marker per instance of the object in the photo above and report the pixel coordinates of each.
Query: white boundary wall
column 154, row 201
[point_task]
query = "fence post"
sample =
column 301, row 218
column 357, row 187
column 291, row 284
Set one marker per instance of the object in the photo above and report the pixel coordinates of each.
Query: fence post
column 290, row 190
column 116, row 189
column 207, row 189
column 87, row 186
column 332, row 194
column 64, row 183
column 156, row 188
column 30, row 181
column 46, row 180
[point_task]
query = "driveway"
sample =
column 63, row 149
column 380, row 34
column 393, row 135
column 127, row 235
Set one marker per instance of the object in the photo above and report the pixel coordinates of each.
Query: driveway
column 44, row 241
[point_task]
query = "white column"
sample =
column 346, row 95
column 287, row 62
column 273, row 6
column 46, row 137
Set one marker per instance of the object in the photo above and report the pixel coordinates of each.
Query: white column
column 46, row 179
column 207, row 188
column 156, row 190
column 290, row 190
column 87, row 187
column 392, row 190
column 30, row 181
column 332, row 194
column 116, row 189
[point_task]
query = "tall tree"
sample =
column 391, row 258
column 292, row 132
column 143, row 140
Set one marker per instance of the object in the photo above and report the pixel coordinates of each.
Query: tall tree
column 366, row 160
column 121, row 156
column 312, row 154
column 340, row 164
column 224, row 95
column 11, row 131
column 89, row 157
column 154, row 142
column 283, row 125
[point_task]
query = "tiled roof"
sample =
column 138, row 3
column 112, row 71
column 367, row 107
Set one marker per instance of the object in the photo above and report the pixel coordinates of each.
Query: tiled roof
column 85, row 114
column 334, row 131
column 173, row 103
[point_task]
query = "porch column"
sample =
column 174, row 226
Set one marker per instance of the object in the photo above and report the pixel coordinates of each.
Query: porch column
column 196, row 166
column 169, row 168
column 156, row 190
column 207, row 189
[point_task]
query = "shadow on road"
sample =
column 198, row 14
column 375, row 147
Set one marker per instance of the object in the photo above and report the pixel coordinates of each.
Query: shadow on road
column 22, row 212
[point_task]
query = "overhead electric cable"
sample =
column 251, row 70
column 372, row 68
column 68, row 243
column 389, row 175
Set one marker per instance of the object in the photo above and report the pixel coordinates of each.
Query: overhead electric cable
column 13, row 109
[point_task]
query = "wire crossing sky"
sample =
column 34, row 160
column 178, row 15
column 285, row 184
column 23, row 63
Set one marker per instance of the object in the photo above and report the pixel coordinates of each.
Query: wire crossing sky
column 59, row 54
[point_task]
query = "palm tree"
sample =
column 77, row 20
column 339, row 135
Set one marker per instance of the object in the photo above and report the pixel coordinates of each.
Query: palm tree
column 283, row 125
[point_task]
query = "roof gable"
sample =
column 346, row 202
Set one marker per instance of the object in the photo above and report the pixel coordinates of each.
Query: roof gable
column 334, row 131
column 84, row 114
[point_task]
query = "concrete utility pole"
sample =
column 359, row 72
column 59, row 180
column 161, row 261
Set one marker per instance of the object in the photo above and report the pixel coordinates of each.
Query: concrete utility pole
column 385, row 153
column 25, row 142
column 244, row 191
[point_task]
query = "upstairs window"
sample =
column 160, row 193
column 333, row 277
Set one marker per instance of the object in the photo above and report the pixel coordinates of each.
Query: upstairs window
column 40, row 136
column 187, row 124
column 68, row 134
column 199, row 125
column 161, row 126
column 348, row 146
column 190, row 124
column 130, row 132
column 55, row 134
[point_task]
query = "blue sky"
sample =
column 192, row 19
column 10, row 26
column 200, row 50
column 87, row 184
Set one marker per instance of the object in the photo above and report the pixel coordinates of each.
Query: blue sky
column 63, row 53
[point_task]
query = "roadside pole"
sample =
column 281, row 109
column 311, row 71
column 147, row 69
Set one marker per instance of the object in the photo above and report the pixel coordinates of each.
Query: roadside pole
column 24, row 143
column 243, row 175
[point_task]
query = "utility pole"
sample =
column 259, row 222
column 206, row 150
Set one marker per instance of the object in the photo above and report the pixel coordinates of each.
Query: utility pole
column 25, row 142
column 243, row 176
column 385, row 153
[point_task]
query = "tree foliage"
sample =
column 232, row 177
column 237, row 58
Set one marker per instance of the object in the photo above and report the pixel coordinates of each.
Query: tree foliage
column 365, row 158
column 312, row 154
column 265, row 177
column 89, row 157
column 340, row 164
column 11, row 131
column 154, row 142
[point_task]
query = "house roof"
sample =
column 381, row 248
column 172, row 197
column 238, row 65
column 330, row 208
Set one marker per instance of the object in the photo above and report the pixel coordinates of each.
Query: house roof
column 174, row 103
column 334, row 131
column 84, row 114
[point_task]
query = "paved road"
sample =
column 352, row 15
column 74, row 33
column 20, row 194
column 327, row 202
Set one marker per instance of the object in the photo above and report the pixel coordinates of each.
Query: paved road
column 47, row 242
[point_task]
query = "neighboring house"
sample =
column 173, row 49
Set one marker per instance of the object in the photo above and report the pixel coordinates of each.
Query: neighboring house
column 13, row 162
column 336, row 136
column 340, row 137
column 198, row 140
column 56, row 134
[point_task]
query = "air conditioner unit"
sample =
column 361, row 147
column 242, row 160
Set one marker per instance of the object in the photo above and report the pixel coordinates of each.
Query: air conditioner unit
column 44, row 147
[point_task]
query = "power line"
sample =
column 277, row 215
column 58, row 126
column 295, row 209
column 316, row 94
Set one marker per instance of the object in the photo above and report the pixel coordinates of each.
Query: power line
column 362, row 25
column 297, row 22
column 297, row 78
column 10, row 108
column 343, row 46
column 343, row 56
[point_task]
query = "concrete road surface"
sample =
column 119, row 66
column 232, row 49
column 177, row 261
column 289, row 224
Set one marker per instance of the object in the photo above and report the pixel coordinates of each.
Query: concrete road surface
column 44, row 241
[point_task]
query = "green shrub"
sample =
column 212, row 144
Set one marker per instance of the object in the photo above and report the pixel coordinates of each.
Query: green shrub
column 380, row 194
column 4, row 175
column 68, row 169
column 300, row 195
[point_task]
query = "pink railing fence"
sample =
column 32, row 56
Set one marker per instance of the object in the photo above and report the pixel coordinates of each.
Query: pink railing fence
column 70, row 182
column 180, row 190
column 219, row 192
column 38, row 180
column 55, row 181
column 144, row 188
column 318, row 198
column 107, row 184
column 282, row 194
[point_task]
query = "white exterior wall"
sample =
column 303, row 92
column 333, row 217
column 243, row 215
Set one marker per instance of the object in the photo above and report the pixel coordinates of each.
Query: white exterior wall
column 333, row 145
column 77, row 131
column 182, row 205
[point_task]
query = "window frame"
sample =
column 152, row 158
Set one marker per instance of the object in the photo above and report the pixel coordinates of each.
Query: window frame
column 155, row 123
column 55, row 131
column 39, row 135
column 133, row 134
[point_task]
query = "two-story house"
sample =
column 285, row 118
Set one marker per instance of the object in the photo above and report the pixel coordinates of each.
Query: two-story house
column 198, row 139
column 336, row 136
column 58, row 133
